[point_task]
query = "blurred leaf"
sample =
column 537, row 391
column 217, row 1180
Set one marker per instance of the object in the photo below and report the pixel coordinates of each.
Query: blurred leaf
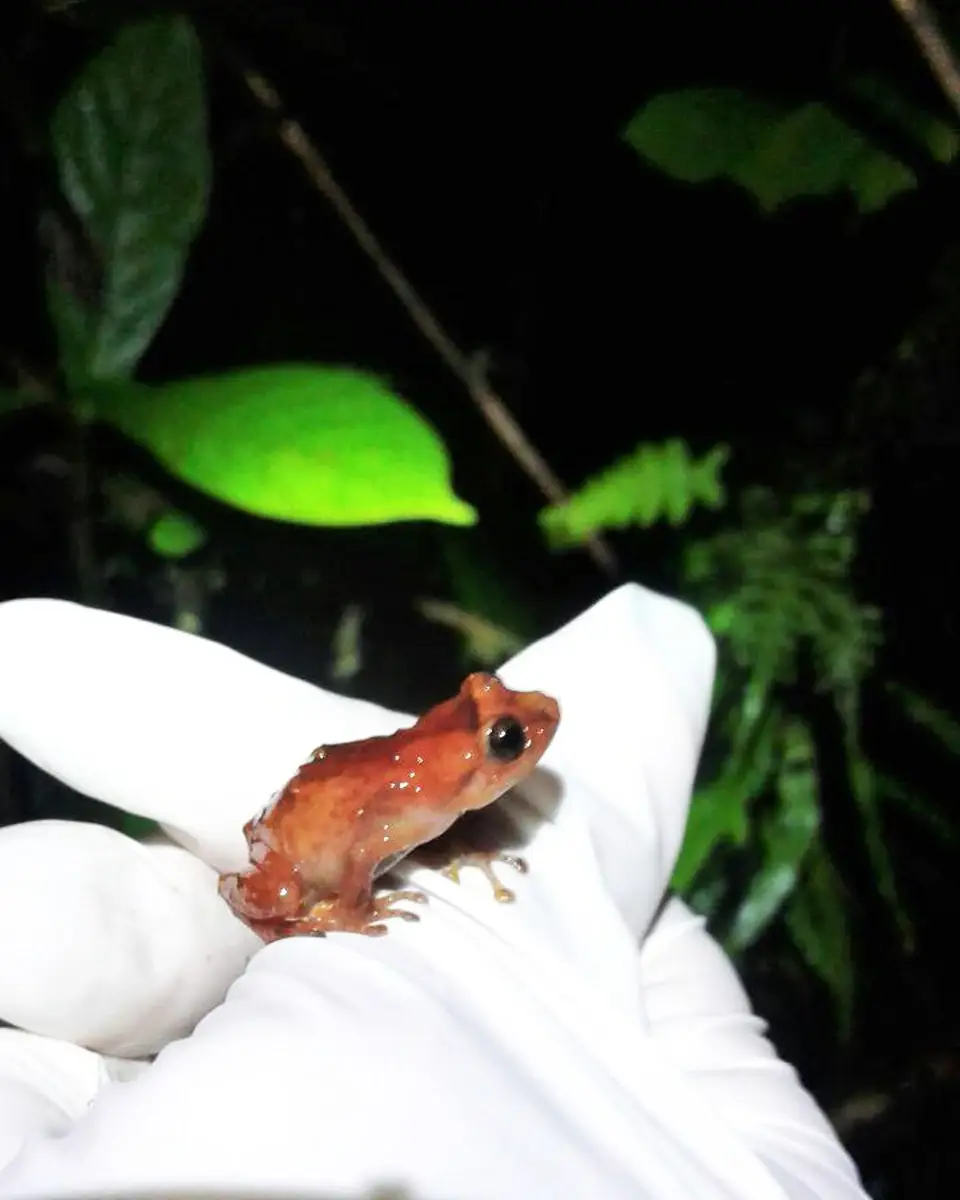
column 699, row 134
column 347, row 655
column 657, row 481
column 720, row 811
column 175, row 535
column 787, row 833
column 775, row 151
column 866, row 792
column 816, row 918
column 780, row 584
column 130, row 141
column 307, row 444
column 486, row 644
column 921, row 808
column 481, row 583
column 137, row 827
column 14, row 400
column 942, row 141
column 926, row 714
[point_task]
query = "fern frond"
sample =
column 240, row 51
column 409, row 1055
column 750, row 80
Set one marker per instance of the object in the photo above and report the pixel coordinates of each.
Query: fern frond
column 658, row 481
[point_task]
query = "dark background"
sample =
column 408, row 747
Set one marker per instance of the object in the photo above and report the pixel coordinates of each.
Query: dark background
column 482, row 144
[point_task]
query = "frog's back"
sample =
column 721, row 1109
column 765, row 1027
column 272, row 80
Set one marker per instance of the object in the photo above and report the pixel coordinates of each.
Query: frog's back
column 317, row 812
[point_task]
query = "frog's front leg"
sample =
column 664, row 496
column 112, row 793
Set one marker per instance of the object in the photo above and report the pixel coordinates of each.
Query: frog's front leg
column 483, row 860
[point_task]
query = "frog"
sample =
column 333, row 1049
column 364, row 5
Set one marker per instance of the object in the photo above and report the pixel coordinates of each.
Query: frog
column 354, row 810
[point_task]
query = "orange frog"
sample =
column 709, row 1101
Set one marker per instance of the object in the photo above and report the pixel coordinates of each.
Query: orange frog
column 355, row 809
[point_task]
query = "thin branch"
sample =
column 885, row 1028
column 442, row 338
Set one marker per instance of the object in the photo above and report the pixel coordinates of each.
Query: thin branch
column 922, row 22
column 470, row 371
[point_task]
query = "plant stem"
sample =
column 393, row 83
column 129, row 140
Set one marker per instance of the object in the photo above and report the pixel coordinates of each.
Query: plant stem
column 469, row 370
column 82, row 549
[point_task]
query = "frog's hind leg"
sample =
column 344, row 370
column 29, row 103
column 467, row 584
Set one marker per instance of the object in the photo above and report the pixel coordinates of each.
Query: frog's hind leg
column 270, row 890
column 353, row 908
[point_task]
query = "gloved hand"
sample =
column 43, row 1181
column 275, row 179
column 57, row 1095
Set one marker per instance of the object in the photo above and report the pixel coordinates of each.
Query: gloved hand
column 587, row 1040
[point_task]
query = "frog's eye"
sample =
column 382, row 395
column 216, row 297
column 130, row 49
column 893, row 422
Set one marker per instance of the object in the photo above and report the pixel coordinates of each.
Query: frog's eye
column 506, row 740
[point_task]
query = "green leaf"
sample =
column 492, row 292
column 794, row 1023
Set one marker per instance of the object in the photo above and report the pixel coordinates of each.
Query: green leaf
column 137, row 827
column 175, row 535
column 657, row 481
column 787, row 833
column 928, row 716
column 130, row 141
column 15, row 400
column 864, row 785
column 720, row 811
column 699, row 134
column 918, row 806
column 307, row 444
column 942, row 141
column 773, row 150
column 816, row 918
column 812, row 152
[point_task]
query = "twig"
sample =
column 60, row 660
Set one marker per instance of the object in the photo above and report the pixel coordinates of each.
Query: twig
column 469, row 371
column 922, row 22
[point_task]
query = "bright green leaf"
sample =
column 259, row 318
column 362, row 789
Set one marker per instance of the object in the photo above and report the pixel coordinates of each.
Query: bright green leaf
column 720, row 811
column 816, row 918
column 307, row 444
column 657, row 481
column 775, row 151
column 130, row 141
column 175, row 535
column 787, row 833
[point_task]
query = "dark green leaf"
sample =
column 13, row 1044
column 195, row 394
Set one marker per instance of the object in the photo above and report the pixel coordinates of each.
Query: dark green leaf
column 12, row 400
column 816, row 917
column 866, row 792
column 787, row 833
column 720, row 811
column 920, row 710
column 939, row 139
column 307, row 444
column 130, row 141
column 918, row 806
column 775, row 151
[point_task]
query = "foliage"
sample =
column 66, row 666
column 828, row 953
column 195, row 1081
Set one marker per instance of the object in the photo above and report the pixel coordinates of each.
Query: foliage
column 779, row 596
column 655, row 482
column 779, row 152
column 175, row 535
column 130, row 143
column 298, row 443
column 315, row 445
column 337, row 446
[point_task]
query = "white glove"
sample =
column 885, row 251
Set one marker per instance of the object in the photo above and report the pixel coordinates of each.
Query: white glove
column 573, row 1044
